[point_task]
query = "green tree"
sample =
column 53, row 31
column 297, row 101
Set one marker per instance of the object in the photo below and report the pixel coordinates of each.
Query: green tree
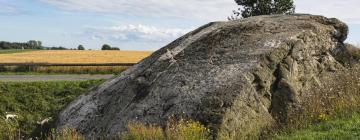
column 33, row 44
column 81, row 47
column 106, row 47
column 115, row 48
column 39, row 44
column 262, row 7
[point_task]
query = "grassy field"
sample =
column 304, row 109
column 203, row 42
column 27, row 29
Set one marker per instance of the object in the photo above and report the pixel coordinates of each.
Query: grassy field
column 11, row 51
column 343, row 127
column 34, row 102
column 74, row 56
column 21, row 70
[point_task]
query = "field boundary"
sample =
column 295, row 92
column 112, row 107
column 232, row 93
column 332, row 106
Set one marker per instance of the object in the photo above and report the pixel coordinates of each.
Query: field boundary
column 61, row 77
column 66, row 64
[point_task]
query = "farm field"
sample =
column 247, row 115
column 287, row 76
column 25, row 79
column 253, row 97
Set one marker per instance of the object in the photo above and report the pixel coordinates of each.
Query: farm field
column 68, row 57
column 73, row 56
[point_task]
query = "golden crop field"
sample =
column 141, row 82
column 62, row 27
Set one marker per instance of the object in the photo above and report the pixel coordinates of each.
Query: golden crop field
column 74, row 56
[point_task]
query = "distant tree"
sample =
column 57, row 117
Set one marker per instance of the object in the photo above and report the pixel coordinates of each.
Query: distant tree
column 58, row 48
column 38, row 43
column 115, row 48
column 81, row 47
column 32, row 44
column 106, row 47
column 262, row 7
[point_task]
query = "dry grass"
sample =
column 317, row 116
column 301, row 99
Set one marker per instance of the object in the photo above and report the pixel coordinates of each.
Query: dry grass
column 331, row 112
column 176, row 130
column 339, row 97
column 9, row 130
column 71, row 57
column 66, row 134
column 74, row 56
column 138, row 131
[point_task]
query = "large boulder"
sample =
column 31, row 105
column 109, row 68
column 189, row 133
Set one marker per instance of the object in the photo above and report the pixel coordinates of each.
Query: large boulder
column 235, row 77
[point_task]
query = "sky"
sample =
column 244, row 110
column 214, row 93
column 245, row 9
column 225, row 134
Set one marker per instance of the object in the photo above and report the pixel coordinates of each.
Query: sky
column 135, row 24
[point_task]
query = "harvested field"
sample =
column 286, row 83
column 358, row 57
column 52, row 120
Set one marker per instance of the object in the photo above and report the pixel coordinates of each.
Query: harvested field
column 74, row 56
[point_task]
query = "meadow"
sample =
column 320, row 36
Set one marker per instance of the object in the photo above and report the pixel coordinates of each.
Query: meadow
column 33, row 102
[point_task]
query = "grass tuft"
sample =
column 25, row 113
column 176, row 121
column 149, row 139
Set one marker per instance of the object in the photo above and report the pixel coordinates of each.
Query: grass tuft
column 175, row 130
column 65, row 134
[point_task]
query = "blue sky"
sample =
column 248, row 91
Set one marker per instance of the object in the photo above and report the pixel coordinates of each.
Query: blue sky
column 134, row 24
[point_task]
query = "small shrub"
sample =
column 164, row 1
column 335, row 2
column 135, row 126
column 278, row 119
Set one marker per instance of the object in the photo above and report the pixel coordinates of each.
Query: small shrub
column 186, row 130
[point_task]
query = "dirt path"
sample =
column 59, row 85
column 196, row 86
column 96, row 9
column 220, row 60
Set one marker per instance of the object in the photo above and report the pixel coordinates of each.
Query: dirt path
column 32, row 78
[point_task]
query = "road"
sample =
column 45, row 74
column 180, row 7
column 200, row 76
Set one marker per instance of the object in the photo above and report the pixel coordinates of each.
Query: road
column 33, row 78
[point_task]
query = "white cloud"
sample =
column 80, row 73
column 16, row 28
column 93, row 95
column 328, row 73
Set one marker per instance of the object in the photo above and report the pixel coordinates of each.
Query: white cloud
column 134, row 33
column 207, row 10
column 6, row 8
column 346, row 10
column 190, row 9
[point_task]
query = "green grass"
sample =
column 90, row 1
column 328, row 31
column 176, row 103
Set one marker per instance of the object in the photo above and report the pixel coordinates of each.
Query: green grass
column 39, row 73
column 18, row 70
column 13, row 51
column 343, row 127
column 35, row 101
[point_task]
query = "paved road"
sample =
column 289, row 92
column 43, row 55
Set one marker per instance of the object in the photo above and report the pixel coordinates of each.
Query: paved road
column 32, row 78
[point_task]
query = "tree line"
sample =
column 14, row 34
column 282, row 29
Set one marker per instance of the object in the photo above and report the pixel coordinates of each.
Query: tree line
column 32, row 44
column 37, row 45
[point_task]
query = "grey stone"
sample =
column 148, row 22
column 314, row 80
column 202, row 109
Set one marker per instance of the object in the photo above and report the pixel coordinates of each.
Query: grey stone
column 235, row 77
